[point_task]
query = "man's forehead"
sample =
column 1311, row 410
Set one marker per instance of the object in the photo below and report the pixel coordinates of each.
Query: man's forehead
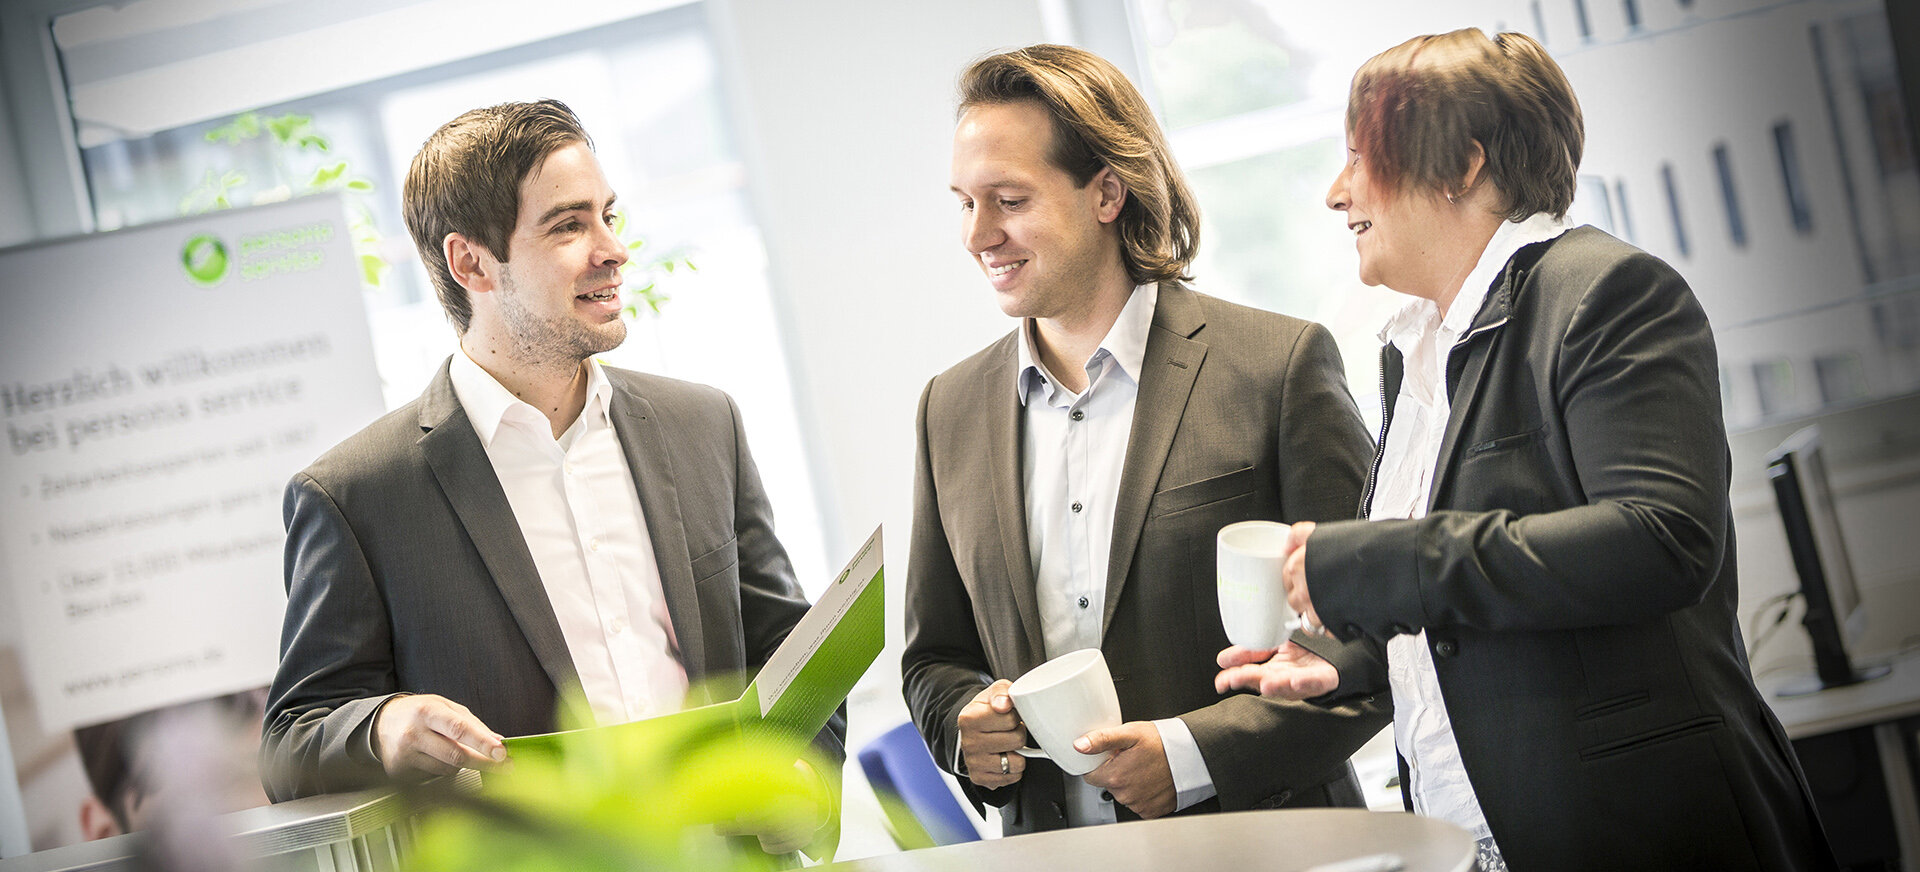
column 564, row 182
column 566, row 152
column 1001, row 145
column 999, row 168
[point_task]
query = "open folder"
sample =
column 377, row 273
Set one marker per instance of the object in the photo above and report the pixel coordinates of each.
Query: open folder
column 798, row 689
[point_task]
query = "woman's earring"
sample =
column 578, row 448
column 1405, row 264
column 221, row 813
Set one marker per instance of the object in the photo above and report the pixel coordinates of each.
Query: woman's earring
column 1449, row 198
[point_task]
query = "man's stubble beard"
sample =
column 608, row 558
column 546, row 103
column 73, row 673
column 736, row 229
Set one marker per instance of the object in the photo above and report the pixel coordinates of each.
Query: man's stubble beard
column 557, row 341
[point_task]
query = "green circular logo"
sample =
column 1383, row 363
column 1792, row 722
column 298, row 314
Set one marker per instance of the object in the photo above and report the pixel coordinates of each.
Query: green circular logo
column 205, row 260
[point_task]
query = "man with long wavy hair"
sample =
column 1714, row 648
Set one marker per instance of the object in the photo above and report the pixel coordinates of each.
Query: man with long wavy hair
column 1071, row 476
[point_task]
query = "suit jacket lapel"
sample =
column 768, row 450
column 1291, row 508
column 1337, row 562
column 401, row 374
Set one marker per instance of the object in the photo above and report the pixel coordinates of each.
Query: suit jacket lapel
column 1167, row 373
column 1466, row 365
column 466, row 476
column 641, row 438
column 1002, row 415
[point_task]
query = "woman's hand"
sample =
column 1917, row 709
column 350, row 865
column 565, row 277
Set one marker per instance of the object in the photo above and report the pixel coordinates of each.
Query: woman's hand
column 1287, row 672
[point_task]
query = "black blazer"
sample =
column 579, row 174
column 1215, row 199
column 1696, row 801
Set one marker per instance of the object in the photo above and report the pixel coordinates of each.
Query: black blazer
column 1575, row 577
column 406, row 571
column 1241, row 414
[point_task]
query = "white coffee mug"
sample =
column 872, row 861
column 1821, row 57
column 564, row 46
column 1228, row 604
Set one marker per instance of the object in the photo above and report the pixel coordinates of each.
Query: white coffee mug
column 1063, row 699
column 1249, row 558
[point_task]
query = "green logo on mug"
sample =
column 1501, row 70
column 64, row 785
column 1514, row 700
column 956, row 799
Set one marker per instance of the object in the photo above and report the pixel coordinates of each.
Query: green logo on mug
column 205, row 260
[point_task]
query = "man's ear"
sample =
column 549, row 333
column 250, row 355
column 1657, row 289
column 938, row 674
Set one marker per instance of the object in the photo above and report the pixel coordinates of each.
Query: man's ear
column 1110, row 194
column 471, row 264
column 96, row 822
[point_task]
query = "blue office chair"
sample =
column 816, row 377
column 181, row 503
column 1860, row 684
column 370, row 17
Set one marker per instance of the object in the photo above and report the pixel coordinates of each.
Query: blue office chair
column 920, row 810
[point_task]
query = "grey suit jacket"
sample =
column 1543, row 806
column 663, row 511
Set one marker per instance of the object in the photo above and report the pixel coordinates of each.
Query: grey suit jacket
column 1575, row 577
column 1242, row 414
column 406, row 572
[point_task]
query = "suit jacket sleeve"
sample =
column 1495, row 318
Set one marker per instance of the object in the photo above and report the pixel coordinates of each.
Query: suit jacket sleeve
column 1325, row 458
column 1636, row 389
column 1324, row 427
column 944, row 665
column 336, row 656
column 1324, row 454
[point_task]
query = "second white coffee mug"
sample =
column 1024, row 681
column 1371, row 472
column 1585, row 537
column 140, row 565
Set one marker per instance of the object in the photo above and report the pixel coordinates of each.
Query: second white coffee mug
column 1249, row 558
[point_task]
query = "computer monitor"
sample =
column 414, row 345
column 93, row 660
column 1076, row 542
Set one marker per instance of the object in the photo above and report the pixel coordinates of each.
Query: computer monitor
column 1833, row 618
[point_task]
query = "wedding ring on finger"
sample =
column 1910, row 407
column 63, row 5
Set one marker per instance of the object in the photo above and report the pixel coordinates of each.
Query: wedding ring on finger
column 1005, row 767
column 1305, row 626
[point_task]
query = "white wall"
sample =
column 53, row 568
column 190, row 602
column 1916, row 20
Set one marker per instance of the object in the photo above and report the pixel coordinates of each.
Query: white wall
column 849, row 124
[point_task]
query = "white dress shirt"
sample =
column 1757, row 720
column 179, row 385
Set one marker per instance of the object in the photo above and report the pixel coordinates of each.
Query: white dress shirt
column 1422, row 731
column 575, row 502
column 1073, row 450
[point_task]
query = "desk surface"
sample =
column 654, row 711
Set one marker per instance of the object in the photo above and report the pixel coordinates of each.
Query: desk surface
column 1288, row 840
column 1857, row 705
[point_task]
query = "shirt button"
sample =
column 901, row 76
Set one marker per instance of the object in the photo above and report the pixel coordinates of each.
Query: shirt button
column 593, row 544
column 1078, row 415
column 568, row 467
column 619, row 626
column 1083, row 602
column 1076, row 508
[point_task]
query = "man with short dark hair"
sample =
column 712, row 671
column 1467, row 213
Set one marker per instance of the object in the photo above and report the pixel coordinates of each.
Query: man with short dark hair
column 1072, row 475
column 535, row 522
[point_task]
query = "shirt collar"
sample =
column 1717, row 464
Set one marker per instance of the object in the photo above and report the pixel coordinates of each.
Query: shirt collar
column 489, row 404
column 1419, row 315
column 1125, row 342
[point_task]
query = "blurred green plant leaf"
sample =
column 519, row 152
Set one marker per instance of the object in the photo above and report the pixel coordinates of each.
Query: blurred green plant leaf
column 654, row 271
column 326, row 175
column 212, row 192
column 243, row 127
column 625, row 799
column 373, row 269
column 294, row 135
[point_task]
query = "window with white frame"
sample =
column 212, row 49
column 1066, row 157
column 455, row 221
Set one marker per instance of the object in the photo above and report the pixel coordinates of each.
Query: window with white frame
column 370, row 81
column 1254, row 95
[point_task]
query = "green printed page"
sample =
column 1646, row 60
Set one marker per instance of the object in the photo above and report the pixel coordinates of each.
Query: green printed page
column 795, row 693
column 816, row 667
column 664, row 732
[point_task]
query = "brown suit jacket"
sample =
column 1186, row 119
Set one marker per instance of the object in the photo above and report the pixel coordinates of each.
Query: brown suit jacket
column 1242, row 414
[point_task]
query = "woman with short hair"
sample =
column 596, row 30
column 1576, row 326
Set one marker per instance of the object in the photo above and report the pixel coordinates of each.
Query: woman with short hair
column 1546, row 553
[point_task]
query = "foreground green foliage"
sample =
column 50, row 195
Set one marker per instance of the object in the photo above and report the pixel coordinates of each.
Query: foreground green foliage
column 624, row 799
